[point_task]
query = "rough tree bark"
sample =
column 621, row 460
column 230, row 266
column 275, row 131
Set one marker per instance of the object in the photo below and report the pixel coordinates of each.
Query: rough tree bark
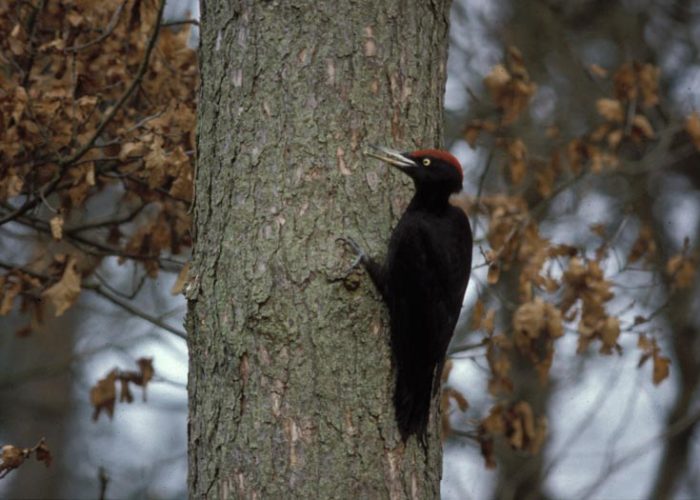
column 290, row 374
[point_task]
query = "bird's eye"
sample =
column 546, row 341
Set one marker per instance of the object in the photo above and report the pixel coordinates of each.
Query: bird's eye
column 426, row 162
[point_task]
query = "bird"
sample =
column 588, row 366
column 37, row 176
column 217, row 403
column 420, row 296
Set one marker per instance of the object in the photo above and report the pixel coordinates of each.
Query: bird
column 422, row 280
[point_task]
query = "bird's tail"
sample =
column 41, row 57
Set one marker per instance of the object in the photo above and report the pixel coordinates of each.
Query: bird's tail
column 412, row 396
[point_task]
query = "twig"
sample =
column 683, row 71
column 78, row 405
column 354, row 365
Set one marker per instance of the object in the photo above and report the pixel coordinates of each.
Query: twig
column 30, row 203
column 107, row 222
column 467, row 347
column 45, row 371
column 65, row 162
column 125, row 96
column 97, row 248
column 482, row 180
column 110, row 288
column 104, row 480
column 97, row 289
column 584, row 423
column 170, row 24
column 31, row 31
column 135, row 311
column 110, row 28
column 636, row 453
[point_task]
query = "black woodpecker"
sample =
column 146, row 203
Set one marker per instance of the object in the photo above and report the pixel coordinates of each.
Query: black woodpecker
column 422, row 280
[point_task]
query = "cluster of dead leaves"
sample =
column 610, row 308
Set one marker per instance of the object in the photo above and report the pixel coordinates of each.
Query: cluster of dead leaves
column 635, row 88
column 536, row 325
column 78, row 120
column 585, row 282
column 12, row 456
column 103, row 395
column 510, row 87
column 517, row 424
column 448, row 395
column 650, row 350
column 681, row 270
column 576, row 298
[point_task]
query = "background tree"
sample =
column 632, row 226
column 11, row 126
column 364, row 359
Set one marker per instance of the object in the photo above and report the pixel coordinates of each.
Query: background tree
column 592, row 163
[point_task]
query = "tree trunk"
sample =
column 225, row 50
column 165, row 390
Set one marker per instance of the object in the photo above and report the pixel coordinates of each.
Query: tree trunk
column 290, row 372
column 676, row 457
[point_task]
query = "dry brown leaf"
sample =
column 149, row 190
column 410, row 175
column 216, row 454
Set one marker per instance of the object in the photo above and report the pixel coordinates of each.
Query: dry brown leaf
column 609, row 333
column 649, row 84
column 474, row 129
column 446, row 369
column 103, row 395
column 529, row 319
column 598, row 71
column 489, row 322
column 625, row 82
column 179, row 284
column 545, row 177
column 598, row 229
column 497, row 355
column 516, row 162
column 146, row 371
column 496, row 81
column 610, row 109
column 614, row 138
column 493, row 273
column 63, row 294
column 42, row 453
column 131, row 150
column 510, row 90
column 9, row 291
column 634, row 80
column 555, row 322
column 644, row 246
column 661, row 369
column 477, row 314
column 692, row 126
column 12, row 457
column 57, row 227
column 681, row 269
column 11, row 186
column 651, row 350
column 641, row 128
column 156, row 162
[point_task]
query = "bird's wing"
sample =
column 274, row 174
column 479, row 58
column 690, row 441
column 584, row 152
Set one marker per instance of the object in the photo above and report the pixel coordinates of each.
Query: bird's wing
column 418, row 303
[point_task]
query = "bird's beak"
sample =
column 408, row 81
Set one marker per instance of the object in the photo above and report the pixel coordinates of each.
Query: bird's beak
column 393, row 158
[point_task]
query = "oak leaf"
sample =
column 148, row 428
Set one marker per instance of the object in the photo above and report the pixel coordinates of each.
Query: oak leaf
column 692, row 127
column 681, row 269
column 610, row 109
column 65, row 291
column 103, row 395
column 516, row 154
column 56, row 224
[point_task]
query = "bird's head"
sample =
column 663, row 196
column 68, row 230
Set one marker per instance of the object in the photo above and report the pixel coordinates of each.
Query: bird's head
column 430, row 169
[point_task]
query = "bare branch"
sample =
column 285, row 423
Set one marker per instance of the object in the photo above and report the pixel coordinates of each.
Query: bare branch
column 108, row 31
column 63, row 163
column 99, row 290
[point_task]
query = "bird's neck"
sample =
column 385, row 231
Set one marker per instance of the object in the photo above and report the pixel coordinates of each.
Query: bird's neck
column 430, row 200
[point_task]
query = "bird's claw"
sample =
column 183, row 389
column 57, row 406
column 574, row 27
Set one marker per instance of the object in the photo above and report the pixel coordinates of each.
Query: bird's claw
column 360, row 255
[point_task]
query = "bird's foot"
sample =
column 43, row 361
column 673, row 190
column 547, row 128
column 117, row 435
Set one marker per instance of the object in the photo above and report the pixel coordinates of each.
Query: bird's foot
column 360, row 255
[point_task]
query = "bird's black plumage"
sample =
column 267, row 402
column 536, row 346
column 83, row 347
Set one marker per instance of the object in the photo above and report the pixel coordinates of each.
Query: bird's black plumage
column 423, row 280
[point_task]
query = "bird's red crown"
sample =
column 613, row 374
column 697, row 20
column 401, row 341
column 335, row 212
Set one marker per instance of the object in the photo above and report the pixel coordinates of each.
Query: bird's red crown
column 440, row 155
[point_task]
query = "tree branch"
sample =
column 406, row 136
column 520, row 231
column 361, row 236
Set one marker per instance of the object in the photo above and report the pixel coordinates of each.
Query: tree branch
column 99, row 290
